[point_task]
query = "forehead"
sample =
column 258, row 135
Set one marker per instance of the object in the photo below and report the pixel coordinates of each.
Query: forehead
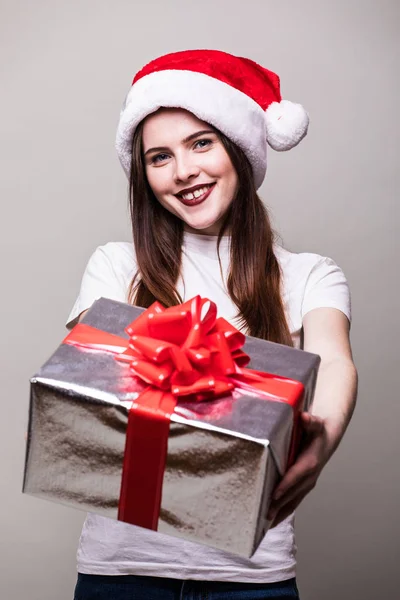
column 170, row 126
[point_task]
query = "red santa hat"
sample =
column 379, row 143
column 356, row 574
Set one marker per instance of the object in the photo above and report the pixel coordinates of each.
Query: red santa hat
column 236, row 95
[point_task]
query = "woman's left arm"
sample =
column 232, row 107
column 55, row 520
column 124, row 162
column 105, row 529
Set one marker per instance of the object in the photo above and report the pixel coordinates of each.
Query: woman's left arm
column 326, row 332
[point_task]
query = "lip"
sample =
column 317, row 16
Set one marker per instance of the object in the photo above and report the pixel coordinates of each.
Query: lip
column 198, row 200
column 194, row 188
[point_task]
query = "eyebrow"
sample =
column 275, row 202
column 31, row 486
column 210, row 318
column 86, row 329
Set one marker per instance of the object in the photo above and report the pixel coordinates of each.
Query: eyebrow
column 187, row 139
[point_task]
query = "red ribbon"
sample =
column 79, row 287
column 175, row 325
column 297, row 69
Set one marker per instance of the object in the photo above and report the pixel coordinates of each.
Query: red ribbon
column 185, row 352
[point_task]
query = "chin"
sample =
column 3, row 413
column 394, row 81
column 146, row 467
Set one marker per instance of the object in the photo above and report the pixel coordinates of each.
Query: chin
column 202, row 224
column 201, row 227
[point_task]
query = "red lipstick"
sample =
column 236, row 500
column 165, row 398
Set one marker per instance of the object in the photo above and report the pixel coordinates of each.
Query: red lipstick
column 196, row 201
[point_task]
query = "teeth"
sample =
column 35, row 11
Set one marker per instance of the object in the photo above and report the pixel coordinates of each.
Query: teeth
column 195, row 194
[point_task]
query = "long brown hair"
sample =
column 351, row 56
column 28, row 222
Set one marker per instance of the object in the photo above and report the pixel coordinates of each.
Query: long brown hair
column 254, row 278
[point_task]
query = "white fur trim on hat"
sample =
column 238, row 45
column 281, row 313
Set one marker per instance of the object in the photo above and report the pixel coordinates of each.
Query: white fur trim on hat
column 287, row 124
column 234, row 113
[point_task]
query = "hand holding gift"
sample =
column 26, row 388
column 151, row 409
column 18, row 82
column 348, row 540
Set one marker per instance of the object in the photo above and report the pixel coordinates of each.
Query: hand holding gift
column 302, row 476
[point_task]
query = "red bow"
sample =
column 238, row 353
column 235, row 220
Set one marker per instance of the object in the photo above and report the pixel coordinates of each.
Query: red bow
column 186, row 352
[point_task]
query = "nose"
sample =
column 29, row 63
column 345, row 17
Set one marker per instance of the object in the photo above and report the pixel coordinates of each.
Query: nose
column 185, row 168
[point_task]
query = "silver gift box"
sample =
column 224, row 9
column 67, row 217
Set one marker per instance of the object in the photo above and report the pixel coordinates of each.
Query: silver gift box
column 224, row 456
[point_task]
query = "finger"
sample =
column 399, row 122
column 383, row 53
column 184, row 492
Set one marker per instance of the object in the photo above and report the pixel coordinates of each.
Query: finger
column 287, row 510
column 305, row 466
column 312, row 423
column 296, row 492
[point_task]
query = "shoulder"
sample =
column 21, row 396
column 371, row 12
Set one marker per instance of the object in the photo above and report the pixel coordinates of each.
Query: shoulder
column 108, row 274
column 313, row 281
column 116, row 257
column 115, row 252
column 297, row 266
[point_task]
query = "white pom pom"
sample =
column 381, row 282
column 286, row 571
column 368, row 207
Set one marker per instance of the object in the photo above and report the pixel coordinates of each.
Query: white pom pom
column 287, row 124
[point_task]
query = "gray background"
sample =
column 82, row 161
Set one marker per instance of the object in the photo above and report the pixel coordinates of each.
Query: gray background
column 65, row 69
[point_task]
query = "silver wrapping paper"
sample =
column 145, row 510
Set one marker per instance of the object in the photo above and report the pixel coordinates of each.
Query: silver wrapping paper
column 224, row 456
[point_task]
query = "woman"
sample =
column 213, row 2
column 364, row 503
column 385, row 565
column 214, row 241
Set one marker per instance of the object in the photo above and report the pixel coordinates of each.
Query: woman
column 192, row 138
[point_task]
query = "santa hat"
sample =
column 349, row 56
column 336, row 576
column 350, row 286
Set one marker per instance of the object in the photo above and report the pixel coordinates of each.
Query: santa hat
column 236, row 95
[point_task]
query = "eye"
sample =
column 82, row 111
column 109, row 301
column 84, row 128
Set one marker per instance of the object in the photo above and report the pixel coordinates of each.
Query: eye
column 159, row 158
column 202, row 143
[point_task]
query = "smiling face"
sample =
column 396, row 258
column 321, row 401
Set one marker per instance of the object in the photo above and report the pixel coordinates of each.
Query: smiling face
column 188, row 169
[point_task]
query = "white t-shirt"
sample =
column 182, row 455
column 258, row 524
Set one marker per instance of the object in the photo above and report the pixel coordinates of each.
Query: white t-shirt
column 109, row 547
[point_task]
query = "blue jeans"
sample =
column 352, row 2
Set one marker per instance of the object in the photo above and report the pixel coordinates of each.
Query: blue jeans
column 134, row 587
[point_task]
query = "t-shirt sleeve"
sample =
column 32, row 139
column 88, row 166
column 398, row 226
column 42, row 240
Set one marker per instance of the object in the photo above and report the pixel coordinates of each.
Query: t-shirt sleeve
column 327, row 287
column 100, row 279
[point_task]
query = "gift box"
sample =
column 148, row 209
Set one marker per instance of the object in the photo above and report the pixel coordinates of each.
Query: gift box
column 155, row 417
